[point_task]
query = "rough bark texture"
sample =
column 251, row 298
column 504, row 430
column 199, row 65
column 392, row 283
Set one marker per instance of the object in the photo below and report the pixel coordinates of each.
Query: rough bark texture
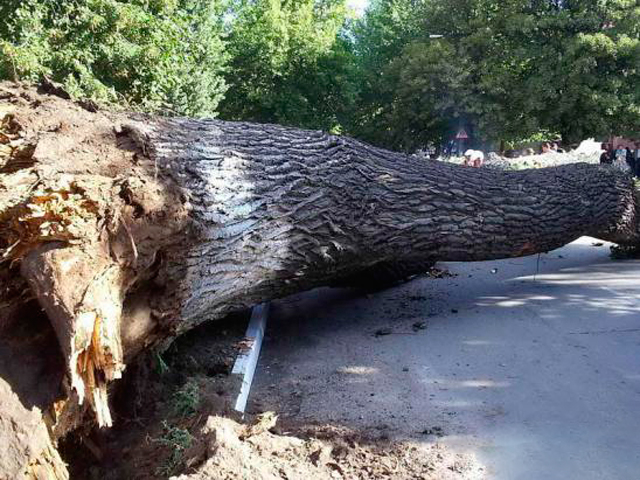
column 130, row 230
column 277, row 210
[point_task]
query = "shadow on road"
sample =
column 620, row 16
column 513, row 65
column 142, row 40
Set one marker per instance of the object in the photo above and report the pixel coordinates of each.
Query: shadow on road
column 539, row 378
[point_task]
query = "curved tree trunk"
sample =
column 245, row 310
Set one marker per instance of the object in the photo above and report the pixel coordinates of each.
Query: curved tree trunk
column 275, row 211
column 130, row 230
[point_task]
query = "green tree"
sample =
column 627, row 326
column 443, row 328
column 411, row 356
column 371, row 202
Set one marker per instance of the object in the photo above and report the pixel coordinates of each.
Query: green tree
column 511, row 69
column 379, row 38
column 289, row 64
column 593, row 72
column 155, row 55
column 423, row 90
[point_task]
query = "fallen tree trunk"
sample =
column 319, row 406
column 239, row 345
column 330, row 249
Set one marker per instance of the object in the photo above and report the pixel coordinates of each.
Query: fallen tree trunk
column 129, row 230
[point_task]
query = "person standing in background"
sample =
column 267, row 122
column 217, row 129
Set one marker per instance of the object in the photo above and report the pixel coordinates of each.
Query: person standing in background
column 473, row 158
column 631, row 160
column 607, row 157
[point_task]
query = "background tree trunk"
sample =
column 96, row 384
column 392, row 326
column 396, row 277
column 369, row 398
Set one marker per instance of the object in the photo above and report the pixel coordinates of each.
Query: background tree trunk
column 131, row 230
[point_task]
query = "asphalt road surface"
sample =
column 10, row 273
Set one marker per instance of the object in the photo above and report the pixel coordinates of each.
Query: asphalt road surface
column 538, row 377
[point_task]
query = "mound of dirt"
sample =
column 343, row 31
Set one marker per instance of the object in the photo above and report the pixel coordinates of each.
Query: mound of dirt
column 174, row 419
column 237, row 451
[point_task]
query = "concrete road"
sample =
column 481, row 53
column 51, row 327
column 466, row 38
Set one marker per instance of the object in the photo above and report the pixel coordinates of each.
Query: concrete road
column 540, row 378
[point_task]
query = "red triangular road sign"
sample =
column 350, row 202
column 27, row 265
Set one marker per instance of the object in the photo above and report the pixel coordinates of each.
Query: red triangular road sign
column 462, row 134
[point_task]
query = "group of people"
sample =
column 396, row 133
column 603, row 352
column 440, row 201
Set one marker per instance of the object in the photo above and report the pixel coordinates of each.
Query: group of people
column 628, row 154
column 475, row 158
column 548, row 147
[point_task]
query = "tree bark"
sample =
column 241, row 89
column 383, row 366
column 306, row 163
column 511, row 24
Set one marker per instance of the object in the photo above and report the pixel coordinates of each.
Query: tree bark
column 129, row 230
column 275, row 211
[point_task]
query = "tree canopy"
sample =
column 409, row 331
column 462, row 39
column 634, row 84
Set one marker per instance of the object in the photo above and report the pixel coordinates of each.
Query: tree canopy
column 508, row 69
column 161, row 55
column 406, row 75
column 290, row 63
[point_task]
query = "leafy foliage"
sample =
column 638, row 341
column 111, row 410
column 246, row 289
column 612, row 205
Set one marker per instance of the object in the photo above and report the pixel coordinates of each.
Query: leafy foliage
column 289, row 64
column 177, row 440
column 407, row 75
column 506, row 70
column 185, row 401
column 159, row 55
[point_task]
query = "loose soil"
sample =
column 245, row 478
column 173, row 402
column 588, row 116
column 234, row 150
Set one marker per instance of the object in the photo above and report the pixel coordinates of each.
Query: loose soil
column 173, row 419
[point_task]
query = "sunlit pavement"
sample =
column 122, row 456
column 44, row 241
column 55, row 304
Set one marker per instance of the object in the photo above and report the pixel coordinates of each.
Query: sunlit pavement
column 539, row 377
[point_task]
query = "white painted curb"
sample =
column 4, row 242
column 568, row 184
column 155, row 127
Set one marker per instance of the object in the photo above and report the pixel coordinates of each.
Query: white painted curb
column 246, row 362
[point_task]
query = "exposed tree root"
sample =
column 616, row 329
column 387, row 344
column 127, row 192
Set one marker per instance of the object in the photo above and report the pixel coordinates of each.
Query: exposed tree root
column 86, row 317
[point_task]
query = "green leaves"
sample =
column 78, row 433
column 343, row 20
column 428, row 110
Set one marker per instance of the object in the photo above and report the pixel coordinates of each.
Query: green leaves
column 162, row 55
column 510, row 69
column 406, row 75
column 289, row 64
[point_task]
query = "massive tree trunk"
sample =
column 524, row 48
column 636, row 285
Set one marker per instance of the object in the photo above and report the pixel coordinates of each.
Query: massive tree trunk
column 129, row 230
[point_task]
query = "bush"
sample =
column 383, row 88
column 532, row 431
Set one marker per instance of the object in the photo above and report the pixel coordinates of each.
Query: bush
column 152, row 55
